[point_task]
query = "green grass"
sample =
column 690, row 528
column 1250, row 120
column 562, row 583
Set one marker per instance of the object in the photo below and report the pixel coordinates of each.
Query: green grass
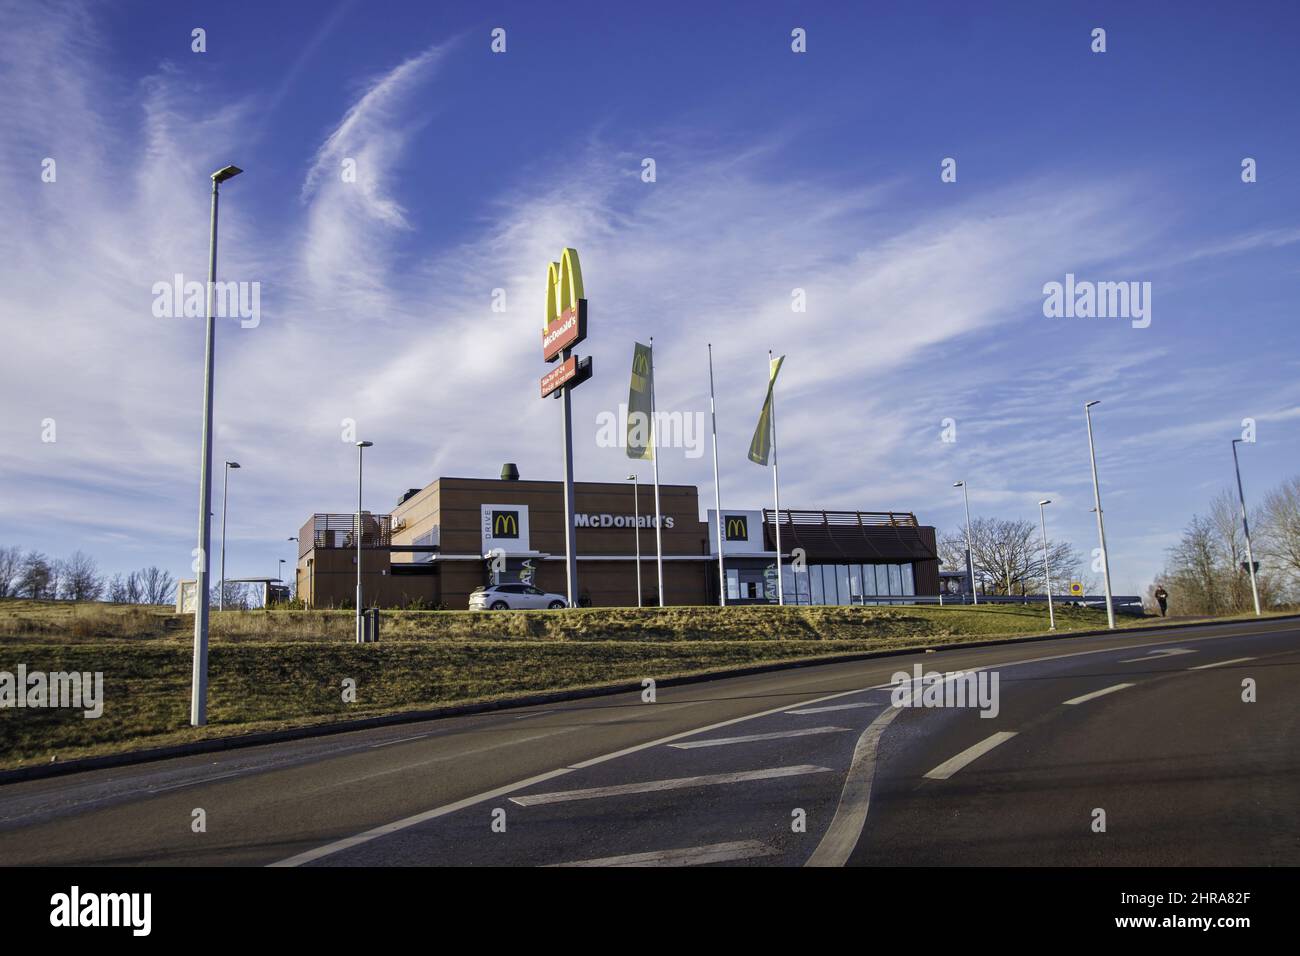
column 62, row 622
column 277, row 669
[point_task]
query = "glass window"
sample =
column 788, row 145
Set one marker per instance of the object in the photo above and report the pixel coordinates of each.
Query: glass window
column 733, row 584
column 815, row 580
column 842, row 583
column 895, row 581
column 855, row 584
column 909, row 583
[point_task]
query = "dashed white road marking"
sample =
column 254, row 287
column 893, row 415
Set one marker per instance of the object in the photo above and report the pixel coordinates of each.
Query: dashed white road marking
column 970, row 754
column 803, row 712
column 1157, row 654
column 1235, row 660
column 688, row 856
column 775, row 735
column 1096, row 693
column 674, row 783
column 835, row 858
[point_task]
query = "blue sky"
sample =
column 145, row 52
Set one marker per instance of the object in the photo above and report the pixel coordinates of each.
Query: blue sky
column 775, row 171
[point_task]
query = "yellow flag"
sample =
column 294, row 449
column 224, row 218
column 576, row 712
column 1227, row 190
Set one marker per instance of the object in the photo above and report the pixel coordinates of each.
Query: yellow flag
column 761, row 444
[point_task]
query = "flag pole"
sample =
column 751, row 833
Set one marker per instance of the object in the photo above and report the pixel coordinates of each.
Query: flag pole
column 654, row 452
column 717, row 489
column 776, row 493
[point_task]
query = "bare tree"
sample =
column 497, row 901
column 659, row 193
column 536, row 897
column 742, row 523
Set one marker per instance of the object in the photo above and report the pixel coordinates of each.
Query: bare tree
column 157, row 585
column 34, row 576
column 236, row 596
column 1008, row 555
column 1279, row 532
column 11, row 562
column 80, row 579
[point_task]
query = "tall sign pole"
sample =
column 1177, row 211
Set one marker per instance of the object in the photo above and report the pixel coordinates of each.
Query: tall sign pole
column 776, row 485
column 654, row 454
column 717, row 489
column 565, row 326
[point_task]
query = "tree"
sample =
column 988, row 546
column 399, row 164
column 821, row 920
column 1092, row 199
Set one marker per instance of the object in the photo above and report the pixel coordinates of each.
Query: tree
column 157, row 585
column 1278, row 531
column 11, row 562
column 34, row 576
column 80, row 579
column 1008, row 555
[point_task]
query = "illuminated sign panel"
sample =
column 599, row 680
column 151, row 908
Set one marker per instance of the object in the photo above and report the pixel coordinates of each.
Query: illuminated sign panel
column 737, row 528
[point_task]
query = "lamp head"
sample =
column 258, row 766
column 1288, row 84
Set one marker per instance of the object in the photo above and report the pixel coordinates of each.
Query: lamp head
column 365, row 444
column 226, row 172
column 1092, row 403
column 232, row 464
column 1045, row 501
column 959, row 484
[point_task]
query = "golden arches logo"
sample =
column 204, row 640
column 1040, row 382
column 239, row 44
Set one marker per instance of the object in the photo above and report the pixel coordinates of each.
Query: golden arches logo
column 641, row 363
column 563, row 286
column 737, row 528
column 505, row 524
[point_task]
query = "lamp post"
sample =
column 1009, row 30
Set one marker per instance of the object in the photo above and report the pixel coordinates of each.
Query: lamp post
column 199, row 673
column 1101, row 526
column 225, row 494
column 294, row 591
column 1245, row 526
column 636, row 530
column 1047, row 570
column 361, row 447
column 970, row 558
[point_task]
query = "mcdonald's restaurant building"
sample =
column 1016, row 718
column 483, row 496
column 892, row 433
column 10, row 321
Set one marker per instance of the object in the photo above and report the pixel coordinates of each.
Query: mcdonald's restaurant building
column 441, row 542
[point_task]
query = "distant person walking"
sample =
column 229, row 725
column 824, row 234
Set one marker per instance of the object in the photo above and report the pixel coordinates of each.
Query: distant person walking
column 1162, row 598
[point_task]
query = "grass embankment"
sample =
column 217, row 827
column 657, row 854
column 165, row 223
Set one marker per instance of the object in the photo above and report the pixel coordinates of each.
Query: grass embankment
column 275, row 669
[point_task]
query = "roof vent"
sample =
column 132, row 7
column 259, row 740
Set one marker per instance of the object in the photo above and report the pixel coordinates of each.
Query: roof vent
column 509, row 472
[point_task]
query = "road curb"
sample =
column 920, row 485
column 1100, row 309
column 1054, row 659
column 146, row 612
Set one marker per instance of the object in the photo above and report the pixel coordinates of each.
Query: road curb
column 220, row 744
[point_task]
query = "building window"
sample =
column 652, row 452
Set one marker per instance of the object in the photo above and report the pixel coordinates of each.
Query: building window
column 815, row 579
column 733, row 584
column 909, row 582
column 842, row 584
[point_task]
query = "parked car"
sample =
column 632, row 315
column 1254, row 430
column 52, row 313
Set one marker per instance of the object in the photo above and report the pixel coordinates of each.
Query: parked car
column 514, row 597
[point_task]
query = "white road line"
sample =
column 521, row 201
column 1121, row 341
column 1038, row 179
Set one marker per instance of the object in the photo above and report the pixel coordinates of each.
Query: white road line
column 338, row 846
column 822, row 710
column 676, row 783
column 690, row 856
column 389, row 743
column 1096, row 693
column 1235, row 660
column 841, row 836
column 970, row 754
column 194, row 783
column 775, row 735
column 374, row 834
column 1157, row 655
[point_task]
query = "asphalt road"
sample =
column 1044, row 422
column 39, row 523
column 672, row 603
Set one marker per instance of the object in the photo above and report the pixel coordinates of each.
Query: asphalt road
column 1144, row 732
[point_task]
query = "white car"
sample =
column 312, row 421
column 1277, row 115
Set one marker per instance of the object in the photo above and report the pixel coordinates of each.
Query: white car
column 514, row 597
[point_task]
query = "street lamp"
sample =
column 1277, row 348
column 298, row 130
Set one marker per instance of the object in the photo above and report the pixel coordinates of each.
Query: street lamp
column 225, row 492
column 199, row 674
column 361, row 447
column 1101, row 526
column 1245, row 526
column 294, row 589
column 636, row 525
column 970, row 559
column 1047, row 569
